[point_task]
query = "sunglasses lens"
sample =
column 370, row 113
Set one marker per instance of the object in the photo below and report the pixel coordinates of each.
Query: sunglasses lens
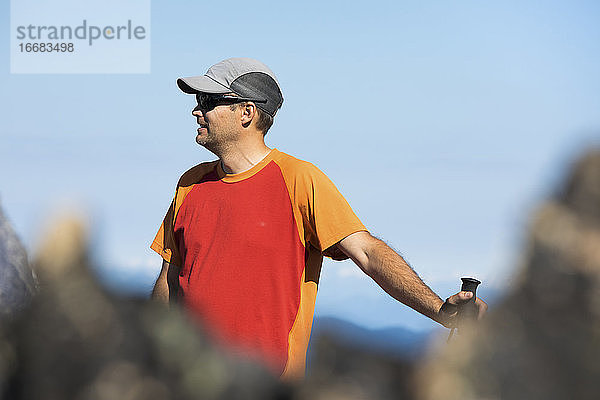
column 210, row 101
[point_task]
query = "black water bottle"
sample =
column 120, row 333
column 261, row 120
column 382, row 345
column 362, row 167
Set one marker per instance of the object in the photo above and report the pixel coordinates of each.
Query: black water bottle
column 467, row 312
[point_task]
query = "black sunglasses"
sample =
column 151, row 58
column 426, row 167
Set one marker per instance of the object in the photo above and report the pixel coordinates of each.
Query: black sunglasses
column 208, row 101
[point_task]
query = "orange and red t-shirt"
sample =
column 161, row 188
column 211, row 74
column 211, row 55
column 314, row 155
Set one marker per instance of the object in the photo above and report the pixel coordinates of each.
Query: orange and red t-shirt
column 250, row 248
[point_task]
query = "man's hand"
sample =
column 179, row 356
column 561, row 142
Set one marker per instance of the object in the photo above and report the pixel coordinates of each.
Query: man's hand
column 449, row 310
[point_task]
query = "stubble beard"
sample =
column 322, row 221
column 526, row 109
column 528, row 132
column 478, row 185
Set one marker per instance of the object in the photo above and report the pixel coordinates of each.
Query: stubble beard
column 213, row 143
column 207, row 142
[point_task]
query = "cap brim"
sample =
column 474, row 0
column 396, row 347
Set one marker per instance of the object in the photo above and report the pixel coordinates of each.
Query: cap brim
column 201, row 84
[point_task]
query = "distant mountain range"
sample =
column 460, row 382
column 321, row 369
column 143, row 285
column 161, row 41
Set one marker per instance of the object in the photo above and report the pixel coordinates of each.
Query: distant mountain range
column 395, row 341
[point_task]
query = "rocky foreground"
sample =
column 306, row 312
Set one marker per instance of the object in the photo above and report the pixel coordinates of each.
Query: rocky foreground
column 74, row 340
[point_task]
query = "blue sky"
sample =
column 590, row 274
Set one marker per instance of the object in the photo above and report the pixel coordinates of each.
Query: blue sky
column 443, row 124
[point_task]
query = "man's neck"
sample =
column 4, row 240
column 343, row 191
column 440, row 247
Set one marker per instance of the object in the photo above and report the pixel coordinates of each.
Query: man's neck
column 237, row 159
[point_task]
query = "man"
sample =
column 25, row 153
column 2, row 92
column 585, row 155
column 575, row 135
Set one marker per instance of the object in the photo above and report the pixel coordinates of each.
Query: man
column 244, row 238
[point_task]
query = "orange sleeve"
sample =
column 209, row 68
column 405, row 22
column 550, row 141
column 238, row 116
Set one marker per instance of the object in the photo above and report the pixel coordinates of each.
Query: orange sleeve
column 326, row 216
column 332, row 217
column 164, row 241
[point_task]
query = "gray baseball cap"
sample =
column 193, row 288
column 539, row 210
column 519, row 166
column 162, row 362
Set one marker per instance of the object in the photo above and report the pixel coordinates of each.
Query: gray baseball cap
column 245, row 77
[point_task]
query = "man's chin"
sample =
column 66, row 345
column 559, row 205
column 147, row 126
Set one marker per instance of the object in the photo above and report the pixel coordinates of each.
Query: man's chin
column 204, row 142
column 202, row 138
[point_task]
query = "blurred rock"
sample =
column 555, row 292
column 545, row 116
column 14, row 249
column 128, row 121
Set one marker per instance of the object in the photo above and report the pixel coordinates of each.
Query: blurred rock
column 341, row 371
column 17, row 282
column 76, row 341
column 543, row 340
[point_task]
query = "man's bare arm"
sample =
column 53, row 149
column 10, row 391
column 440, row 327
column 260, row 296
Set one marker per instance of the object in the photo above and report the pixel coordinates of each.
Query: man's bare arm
column 391, row 272
column 167, row 284
column 398, row 279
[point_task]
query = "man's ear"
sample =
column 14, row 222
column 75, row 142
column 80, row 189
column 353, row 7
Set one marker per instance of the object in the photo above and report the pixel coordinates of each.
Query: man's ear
column 248, row 114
